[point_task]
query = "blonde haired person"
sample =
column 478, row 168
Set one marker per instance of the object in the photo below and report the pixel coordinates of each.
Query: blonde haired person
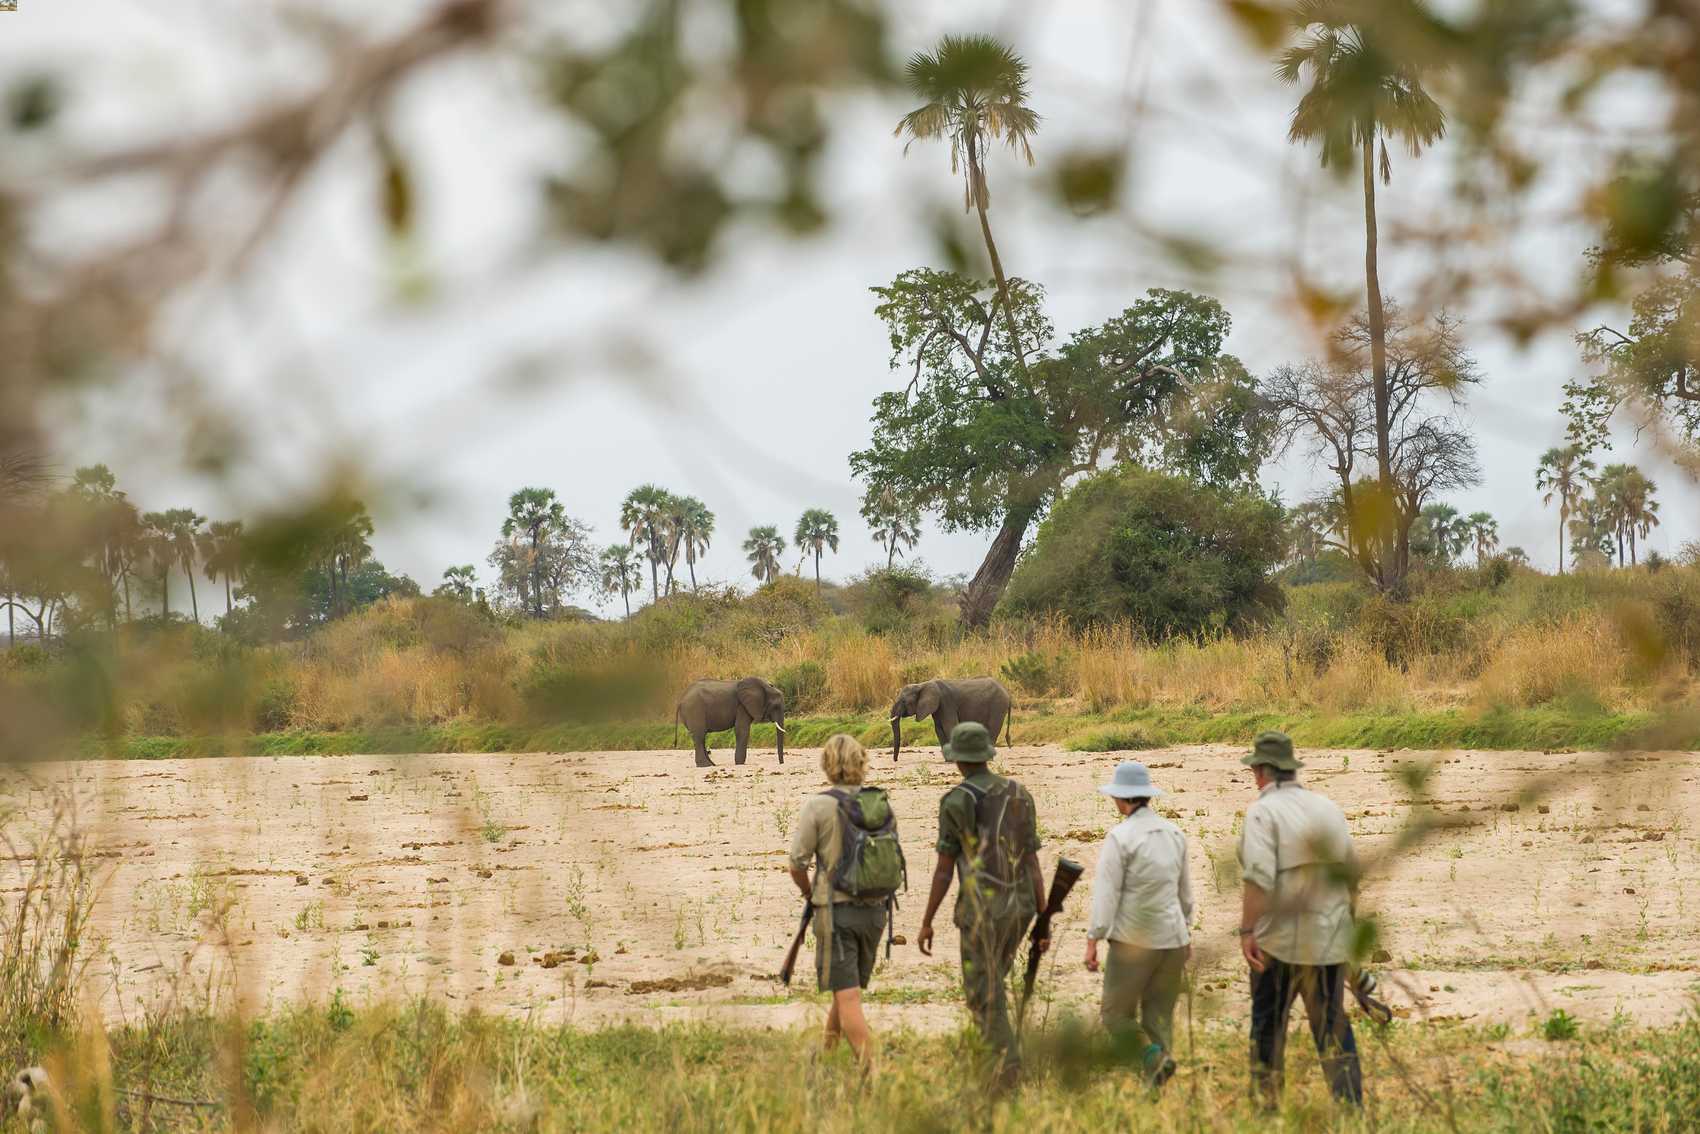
column 1141, row 904
column 847, row 929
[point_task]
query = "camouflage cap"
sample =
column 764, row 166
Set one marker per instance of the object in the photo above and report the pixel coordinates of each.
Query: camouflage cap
column 1274, row 749
column 970, row 743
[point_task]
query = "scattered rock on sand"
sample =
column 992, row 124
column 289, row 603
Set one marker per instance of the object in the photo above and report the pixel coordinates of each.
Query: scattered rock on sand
column 695, row 982
column 507, row 958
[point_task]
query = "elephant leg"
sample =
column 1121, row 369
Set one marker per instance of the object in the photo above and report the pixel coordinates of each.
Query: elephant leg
column 742, row 731
column 942, row 729
column 702, row 750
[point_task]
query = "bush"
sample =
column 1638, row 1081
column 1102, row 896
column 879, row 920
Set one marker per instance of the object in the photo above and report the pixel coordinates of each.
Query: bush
column 803, row 684
column 888, row 599
column 1160, row 552
column 1033, row 673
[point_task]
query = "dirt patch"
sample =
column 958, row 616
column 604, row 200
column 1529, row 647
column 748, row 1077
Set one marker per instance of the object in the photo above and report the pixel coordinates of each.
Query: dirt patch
column 694, row 983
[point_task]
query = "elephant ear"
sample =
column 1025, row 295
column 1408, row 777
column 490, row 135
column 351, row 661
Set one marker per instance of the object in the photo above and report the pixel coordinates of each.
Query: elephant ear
column 929, row 699
column 752, row 698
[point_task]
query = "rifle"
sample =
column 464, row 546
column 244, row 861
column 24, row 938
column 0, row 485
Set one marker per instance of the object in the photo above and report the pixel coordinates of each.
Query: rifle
column 790, row 964
column 1067, row 874
column 1363, row 986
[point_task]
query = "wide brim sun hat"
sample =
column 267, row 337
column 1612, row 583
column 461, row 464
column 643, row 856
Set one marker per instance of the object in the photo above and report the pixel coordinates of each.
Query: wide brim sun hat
column 1131, row 781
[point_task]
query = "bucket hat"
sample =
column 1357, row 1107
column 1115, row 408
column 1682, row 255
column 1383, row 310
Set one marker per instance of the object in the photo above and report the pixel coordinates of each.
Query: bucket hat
column 969, row 743
column 1131, row 781
column 1274, row 749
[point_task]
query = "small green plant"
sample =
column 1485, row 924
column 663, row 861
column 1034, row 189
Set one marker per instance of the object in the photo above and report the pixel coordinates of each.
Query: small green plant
column 369, row 956
column 311, row 916
column 678, row 928
column 1033, row 673
column 339, row 1014
column 782, row 820
column 804, row 685
column 1560, row 1026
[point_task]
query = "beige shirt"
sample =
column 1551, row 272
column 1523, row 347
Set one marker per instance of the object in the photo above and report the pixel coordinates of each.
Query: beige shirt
column 1142, row 891
column 1297, row 849
column 818, row 840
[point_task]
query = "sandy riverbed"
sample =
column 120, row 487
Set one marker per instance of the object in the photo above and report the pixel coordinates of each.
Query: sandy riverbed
column 415, row 874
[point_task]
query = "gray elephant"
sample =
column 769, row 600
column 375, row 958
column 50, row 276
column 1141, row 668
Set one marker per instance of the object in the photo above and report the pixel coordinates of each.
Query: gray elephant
column 711, row 706
column 950, row 703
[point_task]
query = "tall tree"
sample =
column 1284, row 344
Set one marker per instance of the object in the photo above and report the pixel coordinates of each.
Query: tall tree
column 461, row 582
column 971, row 440
column 692, row 529
column 222, row 556
column 114, row 531
column 160, row 554
column 186, row 527
column 817, row 532
column 975, row 92
column 643, row 515
column 24, row 477
column 1626, row 502
column 896, row 525
column 534, row 513
column 1440, row 533
column 1563, row 475
column 1361, row 93
column 619, row 573
column 763, row 548
column 1330, row 404
column 1484, row 534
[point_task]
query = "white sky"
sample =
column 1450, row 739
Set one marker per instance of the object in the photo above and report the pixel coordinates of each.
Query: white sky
column 762, row 374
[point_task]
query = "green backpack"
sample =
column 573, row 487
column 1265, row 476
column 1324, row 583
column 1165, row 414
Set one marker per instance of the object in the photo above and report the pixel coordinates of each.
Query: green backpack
column 870, row 859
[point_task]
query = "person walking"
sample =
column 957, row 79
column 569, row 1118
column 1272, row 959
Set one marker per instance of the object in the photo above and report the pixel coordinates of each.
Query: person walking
column 852, row 886
column 988, row 840
column 1301, row 876
column 1142, row 906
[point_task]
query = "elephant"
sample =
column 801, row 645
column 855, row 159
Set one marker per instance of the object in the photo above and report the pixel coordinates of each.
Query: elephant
column 710, row 706
column 949, row 703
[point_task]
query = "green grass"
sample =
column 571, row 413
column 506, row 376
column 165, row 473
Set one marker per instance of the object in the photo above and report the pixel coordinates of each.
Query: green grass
column 1520, row 729
column 341, row 1067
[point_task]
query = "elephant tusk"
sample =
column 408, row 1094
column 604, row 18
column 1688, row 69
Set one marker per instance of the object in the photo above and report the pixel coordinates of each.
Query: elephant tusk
column 781, row 729
column 895, row 719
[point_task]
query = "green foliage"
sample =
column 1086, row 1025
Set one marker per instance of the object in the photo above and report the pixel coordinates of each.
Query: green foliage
column 1158, row 551
column 1560, row 1026
column 804, row 685
column 1033, row 673
column 890, row 600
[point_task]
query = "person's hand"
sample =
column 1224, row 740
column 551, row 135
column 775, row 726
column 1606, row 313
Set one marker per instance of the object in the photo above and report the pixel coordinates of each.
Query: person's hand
column 924, row 939
column 1091, row 955
column 1253, row 955
column 1188, row 958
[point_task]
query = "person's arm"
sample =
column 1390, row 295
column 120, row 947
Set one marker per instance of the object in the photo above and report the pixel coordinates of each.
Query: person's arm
column 1186, row 883
column 804, row 840
column 1252, row 907
column 935, row 897
column 1258, row 867
column 1106, row 899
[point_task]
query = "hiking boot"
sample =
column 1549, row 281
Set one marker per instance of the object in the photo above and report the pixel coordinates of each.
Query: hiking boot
column 1164, row 1072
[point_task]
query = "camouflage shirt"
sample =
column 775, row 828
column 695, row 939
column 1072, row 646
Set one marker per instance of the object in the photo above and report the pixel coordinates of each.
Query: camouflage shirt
column 958, row 828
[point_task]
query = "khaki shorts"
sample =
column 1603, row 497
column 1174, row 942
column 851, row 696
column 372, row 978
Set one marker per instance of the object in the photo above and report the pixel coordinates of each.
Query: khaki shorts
column 852, row 949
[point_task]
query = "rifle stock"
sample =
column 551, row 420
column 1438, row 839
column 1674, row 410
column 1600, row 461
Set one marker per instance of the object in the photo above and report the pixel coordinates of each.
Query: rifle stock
column 1068, row 872
column 790, row 965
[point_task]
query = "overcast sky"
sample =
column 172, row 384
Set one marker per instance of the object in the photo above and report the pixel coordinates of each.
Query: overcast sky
column 750, row 387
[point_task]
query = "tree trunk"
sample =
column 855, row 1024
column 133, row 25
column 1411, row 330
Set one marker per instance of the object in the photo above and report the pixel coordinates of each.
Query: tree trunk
column 977, row 180
column 691, row 562
column 165, row 595
column 11, row 620
column 817, row 570
column 626, row 597
column 1387, row 580
column 194, row 603
column 989, row 581
column 890, row 554
column 228, row 608
column 1563, row 523
column 654, row 576
column 128, row 616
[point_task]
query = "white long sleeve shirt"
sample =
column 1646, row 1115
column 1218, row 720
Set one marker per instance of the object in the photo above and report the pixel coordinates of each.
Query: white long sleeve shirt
column 1142, row 890
column 1297, row 849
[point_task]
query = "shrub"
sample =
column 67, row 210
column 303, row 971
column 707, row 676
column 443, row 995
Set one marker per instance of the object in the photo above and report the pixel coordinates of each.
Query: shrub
column 804, row 685
column 1560, row 1026
column 1033, row 673
column 1160, row 552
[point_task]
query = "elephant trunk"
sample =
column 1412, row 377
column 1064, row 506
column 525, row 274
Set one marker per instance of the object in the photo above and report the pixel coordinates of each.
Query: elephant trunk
column 896, row 733
column 779, row 733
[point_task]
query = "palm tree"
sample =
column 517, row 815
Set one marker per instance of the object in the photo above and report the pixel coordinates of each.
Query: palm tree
column 116, row 528
column 1563, row 475
column 1517, row 556
column 24, row 476
column 1640, row 510
column 696, row 527
column 974, row 92
column 817, row 531
column 763, row 548
column 1443, row 530
column 156, row 545
column 1361, row 93
column 644, row 515
column 619, row 572
column 532, row 512
column 1483, row 530
column 461, row 581
column 893, row 524
column 222, row 555
column 347, row 546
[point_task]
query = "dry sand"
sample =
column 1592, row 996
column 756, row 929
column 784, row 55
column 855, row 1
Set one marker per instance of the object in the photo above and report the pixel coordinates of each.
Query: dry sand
column 406, row 875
